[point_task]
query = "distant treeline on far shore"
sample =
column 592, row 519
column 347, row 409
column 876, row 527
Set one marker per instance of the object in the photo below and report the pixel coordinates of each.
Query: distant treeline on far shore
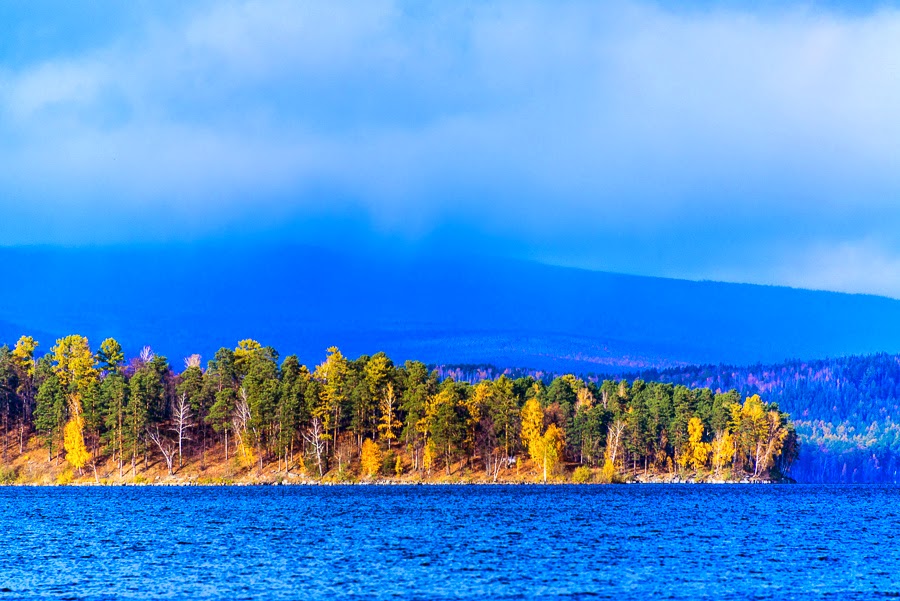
column 108, row 417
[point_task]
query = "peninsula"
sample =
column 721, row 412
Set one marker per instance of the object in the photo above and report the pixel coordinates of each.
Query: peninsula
column 83, row 415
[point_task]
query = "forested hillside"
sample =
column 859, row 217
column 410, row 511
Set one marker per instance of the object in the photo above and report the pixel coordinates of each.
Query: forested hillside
column 108, row 419
column 846, row 410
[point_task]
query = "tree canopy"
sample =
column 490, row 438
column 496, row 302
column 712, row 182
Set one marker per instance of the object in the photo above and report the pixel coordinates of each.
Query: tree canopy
column 370, row 416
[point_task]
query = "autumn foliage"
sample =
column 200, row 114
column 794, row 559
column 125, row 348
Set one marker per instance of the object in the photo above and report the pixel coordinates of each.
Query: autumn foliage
column 361, row 418
column 370, row 458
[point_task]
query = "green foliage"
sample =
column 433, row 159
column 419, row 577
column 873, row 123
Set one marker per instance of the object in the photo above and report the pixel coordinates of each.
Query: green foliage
column 191, row 384
column 114, row 390
column 146, row 403
column 393, row 418
column 389, row 463
column 110, row 356
column 51, row 412
column 214, row 481
column 445, row 421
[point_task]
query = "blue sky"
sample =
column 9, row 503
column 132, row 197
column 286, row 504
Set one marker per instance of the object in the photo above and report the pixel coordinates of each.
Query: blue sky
column 752, row 142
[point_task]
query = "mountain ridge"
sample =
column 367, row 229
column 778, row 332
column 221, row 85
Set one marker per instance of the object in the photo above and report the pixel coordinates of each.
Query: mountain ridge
column 432, row 306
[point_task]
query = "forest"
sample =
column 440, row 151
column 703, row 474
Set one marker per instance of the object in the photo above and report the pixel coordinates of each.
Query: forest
column 845, row 409
column 89, row 415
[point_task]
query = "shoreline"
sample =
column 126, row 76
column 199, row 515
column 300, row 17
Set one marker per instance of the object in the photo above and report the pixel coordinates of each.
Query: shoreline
column 214, row 482
column 32, row 467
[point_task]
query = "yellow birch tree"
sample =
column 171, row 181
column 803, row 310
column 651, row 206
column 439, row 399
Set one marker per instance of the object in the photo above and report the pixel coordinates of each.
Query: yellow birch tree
column 388, row 423
column 370, row 458
column 24, row 354
column 699, row 450
column 532, row 422
column 73, row 441
column 428, row 456
column 74, row 367
column 722, row 451
column 546, row 450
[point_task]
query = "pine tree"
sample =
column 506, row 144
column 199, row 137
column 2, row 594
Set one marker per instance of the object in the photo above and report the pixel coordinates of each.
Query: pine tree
column 50, row 412
column 114, row 390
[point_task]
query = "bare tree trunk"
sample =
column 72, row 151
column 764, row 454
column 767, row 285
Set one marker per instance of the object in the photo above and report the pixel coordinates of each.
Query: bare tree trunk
column 166, row 447
column 448, row 459
column 545, row 465
column 613, row 440
column 259, row 452
column 120, row 446
column 287, row 464
column 314, row 437
column 202, row 443
column 182, row 417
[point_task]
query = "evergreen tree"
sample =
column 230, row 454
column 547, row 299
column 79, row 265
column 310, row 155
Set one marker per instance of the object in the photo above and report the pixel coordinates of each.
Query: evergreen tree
column 147, row 392
column 51, row 411
column 220, row 386
column 446, row 421
column 114, row 390
column 191, row 384
column 292, row 410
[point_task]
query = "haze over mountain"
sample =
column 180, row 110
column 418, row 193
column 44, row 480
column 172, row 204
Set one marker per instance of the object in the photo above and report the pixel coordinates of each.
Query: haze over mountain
column 728, row 140
column 195, row 298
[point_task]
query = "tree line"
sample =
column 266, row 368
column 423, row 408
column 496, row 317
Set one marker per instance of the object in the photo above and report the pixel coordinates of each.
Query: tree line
column 846, row 410
column 368, row 416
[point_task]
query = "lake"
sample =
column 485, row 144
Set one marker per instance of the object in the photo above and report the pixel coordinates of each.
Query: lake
column 446, row 542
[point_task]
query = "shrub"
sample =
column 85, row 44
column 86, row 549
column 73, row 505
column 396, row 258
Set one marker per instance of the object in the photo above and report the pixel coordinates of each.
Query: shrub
column 343, row 476
column 389, row 463
column 8, row 475
column 608, row 473
column 203, row 481
column 582, row 475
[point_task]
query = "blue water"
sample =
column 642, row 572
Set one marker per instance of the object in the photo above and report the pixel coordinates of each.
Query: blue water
column 429, row 542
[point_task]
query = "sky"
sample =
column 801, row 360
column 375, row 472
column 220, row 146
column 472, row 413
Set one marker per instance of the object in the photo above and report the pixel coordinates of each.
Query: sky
column 740, row 141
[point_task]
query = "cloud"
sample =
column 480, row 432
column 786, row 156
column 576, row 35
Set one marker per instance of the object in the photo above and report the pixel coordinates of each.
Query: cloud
column 862, row 266
column 624, row 135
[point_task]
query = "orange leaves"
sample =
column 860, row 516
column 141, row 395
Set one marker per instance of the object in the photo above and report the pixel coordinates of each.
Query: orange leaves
column 73, row 440
column 371, row 458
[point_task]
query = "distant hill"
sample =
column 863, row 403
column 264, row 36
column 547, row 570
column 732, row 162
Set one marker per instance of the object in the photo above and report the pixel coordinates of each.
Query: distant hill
column 194, row 299
column 187, row 299
column 10, row 332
